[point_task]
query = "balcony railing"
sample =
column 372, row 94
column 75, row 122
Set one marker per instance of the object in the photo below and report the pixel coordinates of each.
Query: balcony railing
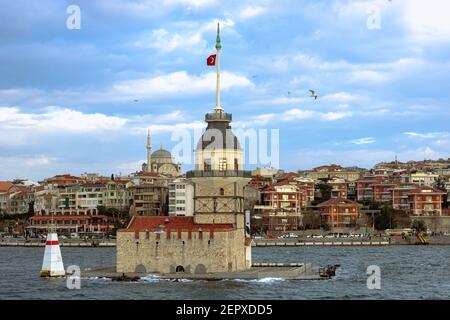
column 219, row 116
column 218, row 173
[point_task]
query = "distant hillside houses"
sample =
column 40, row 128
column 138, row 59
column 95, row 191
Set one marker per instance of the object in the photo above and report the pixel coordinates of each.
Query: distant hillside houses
column 277, row 200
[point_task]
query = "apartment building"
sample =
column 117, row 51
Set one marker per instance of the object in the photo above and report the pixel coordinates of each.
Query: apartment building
column 181, row 197
column 116, row 194
column 340, row 212
column 281, row 208
column 425, row 201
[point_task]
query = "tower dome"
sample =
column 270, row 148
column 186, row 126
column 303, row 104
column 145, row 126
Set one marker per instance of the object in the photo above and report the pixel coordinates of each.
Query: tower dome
column 218, row 134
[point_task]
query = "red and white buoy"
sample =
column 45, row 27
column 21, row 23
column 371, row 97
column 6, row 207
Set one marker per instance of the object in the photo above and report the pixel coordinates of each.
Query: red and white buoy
column 53, row 264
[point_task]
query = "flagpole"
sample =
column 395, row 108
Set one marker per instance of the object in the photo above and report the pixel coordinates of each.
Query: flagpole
column 218, row 47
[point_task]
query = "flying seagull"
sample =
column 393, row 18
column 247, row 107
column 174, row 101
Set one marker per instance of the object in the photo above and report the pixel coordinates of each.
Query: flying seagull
column 313, row 94
column 136, row 100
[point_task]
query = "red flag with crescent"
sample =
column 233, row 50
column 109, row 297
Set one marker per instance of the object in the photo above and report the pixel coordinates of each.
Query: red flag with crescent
column 211, row 61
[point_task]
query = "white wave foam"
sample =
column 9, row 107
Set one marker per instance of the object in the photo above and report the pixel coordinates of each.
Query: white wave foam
column 155, row 278
column 262, row 280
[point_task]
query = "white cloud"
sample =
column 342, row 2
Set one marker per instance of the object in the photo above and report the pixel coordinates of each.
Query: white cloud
column 427, row 20
column 341, row 97
column 191, row 3
column 38, row 161
column 144, row 9
column 179, row 83
column 292, row 115
column 366, row 73
column 367, row 140
column 176, row 126
column 14, row 122
column 58, row 119
column 184, row 35
column 250, row 11
column 24, row 166
column 428, row 135
column 167, row 41
column 280, row 101
column 131, row 166
column 170, row 85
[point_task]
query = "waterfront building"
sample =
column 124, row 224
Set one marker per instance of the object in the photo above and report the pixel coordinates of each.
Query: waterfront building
column 399, row 195
column 116, row 194
column 4, row 195
column 340, row 212
column 70, row 221
column 44, row 199
column 67, row 196
column 19, row 199
column 214, row 238
column 307, row 187
column 382, row 191
column 364, row 185
column 90, row 195
column 425, row 201
column 281, row 208
column 150, row 194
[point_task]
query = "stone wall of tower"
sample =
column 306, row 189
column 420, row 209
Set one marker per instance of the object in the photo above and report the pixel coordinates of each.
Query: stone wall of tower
column 197, row 252
column 218, row 199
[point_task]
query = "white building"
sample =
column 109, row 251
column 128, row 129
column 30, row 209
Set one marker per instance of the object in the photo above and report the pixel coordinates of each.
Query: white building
column 89, row 196
column 181, row 198
column 424, row 179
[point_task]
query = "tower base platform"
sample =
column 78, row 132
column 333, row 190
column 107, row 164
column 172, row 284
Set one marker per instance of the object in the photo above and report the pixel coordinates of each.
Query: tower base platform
column 294, row 271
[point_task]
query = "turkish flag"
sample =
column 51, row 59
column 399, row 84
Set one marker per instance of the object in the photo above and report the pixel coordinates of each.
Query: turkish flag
column 211, row 61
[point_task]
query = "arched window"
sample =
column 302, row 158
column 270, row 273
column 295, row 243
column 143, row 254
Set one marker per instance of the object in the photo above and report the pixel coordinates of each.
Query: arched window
column 222, row 192
column 179, row 269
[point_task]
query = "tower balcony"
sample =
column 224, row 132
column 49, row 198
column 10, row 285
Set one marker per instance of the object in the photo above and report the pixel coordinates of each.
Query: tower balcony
column 218, row 173
column 218, row 116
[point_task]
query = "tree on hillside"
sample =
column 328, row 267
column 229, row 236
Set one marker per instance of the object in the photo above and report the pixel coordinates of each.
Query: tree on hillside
column 311, row 220
column 419, row 225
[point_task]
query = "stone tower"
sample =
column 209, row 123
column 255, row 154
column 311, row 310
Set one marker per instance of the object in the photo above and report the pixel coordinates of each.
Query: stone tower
column 219, row 177
column 214, row 239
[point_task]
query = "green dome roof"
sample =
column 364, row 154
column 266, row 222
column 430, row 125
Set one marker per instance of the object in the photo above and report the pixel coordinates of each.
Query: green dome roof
column 161, row 153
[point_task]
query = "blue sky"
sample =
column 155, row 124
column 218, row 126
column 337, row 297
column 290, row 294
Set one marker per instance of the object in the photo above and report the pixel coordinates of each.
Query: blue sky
column 67, row 96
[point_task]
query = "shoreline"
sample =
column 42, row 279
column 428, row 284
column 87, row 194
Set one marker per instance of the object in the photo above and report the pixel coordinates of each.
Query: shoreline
column 440, row 241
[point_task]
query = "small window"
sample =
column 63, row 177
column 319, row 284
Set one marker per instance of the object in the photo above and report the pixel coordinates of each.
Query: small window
column 207, row 165
column 222, row 192
column 222, row 164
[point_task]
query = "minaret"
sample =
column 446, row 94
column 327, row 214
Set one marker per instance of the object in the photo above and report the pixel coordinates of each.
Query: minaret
column 218, row 47
column 149, row 153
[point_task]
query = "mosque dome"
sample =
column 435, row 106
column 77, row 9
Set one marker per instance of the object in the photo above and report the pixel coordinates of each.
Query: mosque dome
column 161, row 153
